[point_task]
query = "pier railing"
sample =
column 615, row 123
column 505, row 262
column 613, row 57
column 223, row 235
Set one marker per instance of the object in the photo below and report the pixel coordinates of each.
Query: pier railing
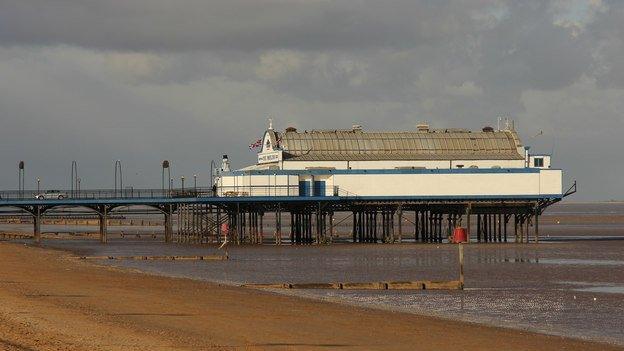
column 105, row 194
column 134, row 193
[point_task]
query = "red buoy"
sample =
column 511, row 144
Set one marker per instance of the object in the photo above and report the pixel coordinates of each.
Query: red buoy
column 460, row 235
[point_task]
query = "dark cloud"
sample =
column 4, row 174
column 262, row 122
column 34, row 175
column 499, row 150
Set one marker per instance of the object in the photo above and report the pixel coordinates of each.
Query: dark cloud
column 143, row 80
column 163, row 25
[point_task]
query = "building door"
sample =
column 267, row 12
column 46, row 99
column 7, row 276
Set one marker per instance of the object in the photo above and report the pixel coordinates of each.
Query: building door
column 304, row 188
column 319, row 188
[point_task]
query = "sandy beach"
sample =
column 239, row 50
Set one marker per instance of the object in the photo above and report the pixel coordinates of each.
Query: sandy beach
column 52, row 301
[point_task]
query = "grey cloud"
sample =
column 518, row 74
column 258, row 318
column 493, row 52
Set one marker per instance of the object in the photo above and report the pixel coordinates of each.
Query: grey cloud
column 528, row 50
column 162, row 25
column 608, row 34
column 148, row 80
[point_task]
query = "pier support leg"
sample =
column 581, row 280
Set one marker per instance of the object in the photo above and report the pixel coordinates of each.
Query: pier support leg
column 488, row 228
column 506, row 221
column 319, row 225
column 416, row 227
column 423, row 227
column 103, row 224
column 353, row 229
column 261, row 233
column 292, row 228
column 536, row 224
column 239, row 225
column 218, row 224
column 37, row 225
column 331, row 226
column 278, row 225
column 478, row 228
column 468, row 215
column 500, row 228
column 392, row 234
column 400, row 224
column 168, row 225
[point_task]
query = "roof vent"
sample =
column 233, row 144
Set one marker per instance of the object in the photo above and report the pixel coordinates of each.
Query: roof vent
column 357, row 128
column 423, row 127
column 291, row 130
column 488, row 129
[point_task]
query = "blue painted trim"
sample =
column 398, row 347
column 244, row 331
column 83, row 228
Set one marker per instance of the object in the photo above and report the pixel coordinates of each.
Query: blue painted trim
column 255, row 199
column 384, row 171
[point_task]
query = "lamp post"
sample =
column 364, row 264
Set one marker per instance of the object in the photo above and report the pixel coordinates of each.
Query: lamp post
column 165, row 165
column 195, row 183
column 212, row 168
column 20, row 167
column 182, row 179
column 74, row 177
column 118, row 166
column 170, row 185
column 38, row 183
column 78, row 186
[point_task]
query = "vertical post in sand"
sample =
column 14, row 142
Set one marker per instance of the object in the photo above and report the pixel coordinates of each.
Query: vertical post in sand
column 461, row 265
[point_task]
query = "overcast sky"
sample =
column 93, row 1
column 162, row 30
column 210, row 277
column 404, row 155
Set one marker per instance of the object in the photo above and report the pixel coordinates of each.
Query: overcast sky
column 189, row 80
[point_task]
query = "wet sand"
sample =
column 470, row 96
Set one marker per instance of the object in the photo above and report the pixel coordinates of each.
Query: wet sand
column 570, row 288
column 53, row 302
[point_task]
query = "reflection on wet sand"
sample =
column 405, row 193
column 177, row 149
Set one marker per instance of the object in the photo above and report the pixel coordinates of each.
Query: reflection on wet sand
column 572, row 289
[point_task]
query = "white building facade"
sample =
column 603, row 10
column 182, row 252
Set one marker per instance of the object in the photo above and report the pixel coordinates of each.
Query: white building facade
column 423, row 164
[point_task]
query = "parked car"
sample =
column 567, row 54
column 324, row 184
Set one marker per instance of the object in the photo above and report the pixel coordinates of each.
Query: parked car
column 51, row 194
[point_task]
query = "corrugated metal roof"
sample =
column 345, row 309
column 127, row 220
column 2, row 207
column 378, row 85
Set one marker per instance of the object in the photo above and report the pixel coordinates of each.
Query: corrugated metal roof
column 357, row 145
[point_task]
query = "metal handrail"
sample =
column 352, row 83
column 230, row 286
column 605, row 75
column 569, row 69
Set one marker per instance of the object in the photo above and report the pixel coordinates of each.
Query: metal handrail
column 128, row 193
column 150, row 193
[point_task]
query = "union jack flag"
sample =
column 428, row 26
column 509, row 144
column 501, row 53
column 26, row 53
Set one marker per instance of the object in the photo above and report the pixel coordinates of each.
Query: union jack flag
column 255, row 144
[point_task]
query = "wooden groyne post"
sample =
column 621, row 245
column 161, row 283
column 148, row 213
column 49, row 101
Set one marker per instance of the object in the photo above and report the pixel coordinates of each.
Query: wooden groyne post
column 461, row 264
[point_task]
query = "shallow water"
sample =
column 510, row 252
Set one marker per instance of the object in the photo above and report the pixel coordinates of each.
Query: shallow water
column 571, row 289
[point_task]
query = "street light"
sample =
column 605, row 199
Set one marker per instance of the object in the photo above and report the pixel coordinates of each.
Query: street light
column 195, row 182
column 182, row 178
column 74, row 177
column 20, row 167
column 38, row 182
column 118, row 166
column 165, row 165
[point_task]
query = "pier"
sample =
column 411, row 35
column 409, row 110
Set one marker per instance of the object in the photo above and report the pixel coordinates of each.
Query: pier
column 201, row 217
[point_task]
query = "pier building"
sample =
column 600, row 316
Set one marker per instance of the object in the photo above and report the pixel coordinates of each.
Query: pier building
column 424, row 163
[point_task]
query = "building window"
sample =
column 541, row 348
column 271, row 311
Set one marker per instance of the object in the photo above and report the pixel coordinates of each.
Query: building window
column 538, row 162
